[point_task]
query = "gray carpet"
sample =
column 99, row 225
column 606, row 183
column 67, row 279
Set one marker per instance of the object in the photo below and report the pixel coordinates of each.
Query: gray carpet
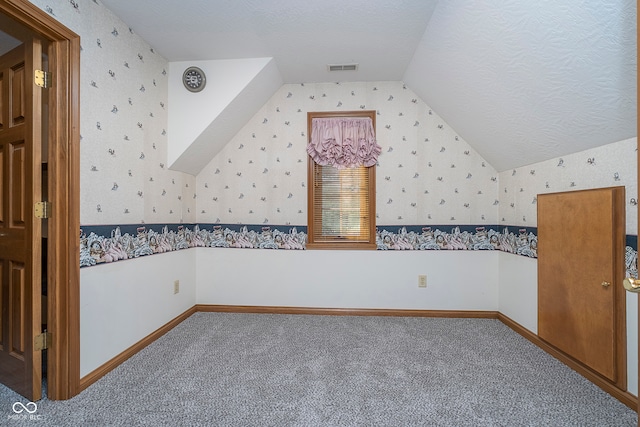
column 220, row 369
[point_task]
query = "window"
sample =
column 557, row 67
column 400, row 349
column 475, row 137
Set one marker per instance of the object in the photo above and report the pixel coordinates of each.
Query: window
column 341, row 200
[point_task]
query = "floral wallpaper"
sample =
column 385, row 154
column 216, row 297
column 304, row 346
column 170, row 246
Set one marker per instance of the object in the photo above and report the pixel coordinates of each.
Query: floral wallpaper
column 434, row 191
column 426, row 174
column 606, row 166
column 123, row 89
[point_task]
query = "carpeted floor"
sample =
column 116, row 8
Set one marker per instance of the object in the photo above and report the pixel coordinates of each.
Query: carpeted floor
column 221, row 369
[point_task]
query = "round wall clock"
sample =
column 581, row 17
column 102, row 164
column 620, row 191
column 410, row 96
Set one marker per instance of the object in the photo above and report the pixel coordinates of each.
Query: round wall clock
column 194, row 79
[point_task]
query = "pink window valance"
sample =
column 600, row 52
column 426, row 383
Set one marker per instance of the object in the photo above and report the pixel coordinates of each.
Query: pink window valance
column 343, row 142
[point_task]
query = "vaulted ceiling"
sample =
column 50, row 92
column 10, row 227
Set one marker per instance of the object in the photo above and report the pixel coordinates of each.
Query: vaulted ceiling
column 521, row 81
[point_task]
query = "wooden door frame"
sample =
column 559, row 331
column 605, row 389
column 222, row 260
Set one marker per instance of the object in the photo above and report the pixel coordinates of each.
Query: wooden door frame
column 63, row 266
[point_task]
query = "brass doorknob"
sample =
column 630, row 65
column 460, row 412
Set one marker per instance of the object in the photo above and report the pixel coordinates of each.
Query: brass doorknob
column 605, row 284
column 631, row 284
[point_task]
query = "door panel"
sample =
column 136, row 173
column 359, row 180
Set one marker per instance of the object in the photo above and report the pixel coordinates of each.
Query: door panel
column 17, row 184
column 20, row 231
column 580, row 309
column 17, row 97
column 17, row 294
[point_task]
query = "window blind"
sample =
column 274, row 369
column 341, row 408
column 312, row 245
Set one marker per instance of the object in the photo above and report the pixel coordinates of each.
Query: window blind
column 342, row 204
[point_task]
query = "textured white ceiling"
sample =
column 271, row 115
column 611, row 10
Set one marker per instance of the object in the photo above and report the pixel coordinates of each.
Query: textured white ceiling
column 521, row 81
column 526, row 81
column 302, row 36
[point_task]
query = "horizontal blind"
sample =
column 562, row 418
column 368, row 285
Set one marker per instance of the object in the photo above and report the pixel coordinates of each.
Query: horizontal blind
column 341, row 210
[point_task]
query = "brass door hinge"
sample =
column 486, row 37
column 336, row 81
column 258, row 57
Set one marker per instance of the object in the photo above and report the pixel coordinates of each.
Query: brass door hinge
column 42, row 79
column 42, row 341
column 42, row 210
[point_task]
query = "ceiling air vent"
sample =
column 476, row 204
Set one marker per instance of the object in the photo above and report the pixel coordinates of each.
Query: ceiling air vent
column 342, row 67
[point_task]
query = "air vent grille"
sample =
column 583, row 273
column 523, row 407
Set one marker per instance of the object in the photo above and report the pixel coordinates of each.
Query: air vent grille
column 342, row 67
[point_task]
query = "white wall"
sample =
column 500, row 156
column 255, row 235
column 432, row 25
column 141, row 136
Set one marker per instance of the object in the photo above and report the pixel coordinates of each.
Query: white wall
column 122, row 303
column 200, row 124
column 518, row 289
column 191, row 113
column 456, row 280
column 518, row 300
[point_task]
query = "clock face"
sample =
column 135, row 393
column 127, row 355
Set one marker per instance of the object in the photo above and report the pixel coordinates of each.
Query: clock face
column 193, row 79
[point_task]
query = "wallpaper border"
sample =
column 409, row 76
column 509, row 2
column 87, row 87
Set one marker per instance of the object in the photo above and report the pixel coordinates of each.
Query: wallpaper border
column 110, row 243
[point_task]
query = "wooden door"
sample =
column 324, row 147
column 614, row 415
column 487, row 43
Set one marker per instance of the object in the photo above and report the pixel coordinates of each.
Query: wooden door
column 581, row 308
column 20, row 230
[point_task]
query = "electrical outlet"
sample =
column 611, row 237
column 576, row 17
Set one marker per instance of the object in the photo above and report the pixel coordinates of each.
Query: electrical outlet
column 422, row 281
column 176, row 286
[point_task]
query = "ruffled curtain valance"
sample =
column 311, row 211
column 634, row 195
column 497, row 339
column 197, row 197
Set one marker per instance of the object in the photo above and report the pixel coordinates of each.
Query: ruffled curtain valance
column 343, row 142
